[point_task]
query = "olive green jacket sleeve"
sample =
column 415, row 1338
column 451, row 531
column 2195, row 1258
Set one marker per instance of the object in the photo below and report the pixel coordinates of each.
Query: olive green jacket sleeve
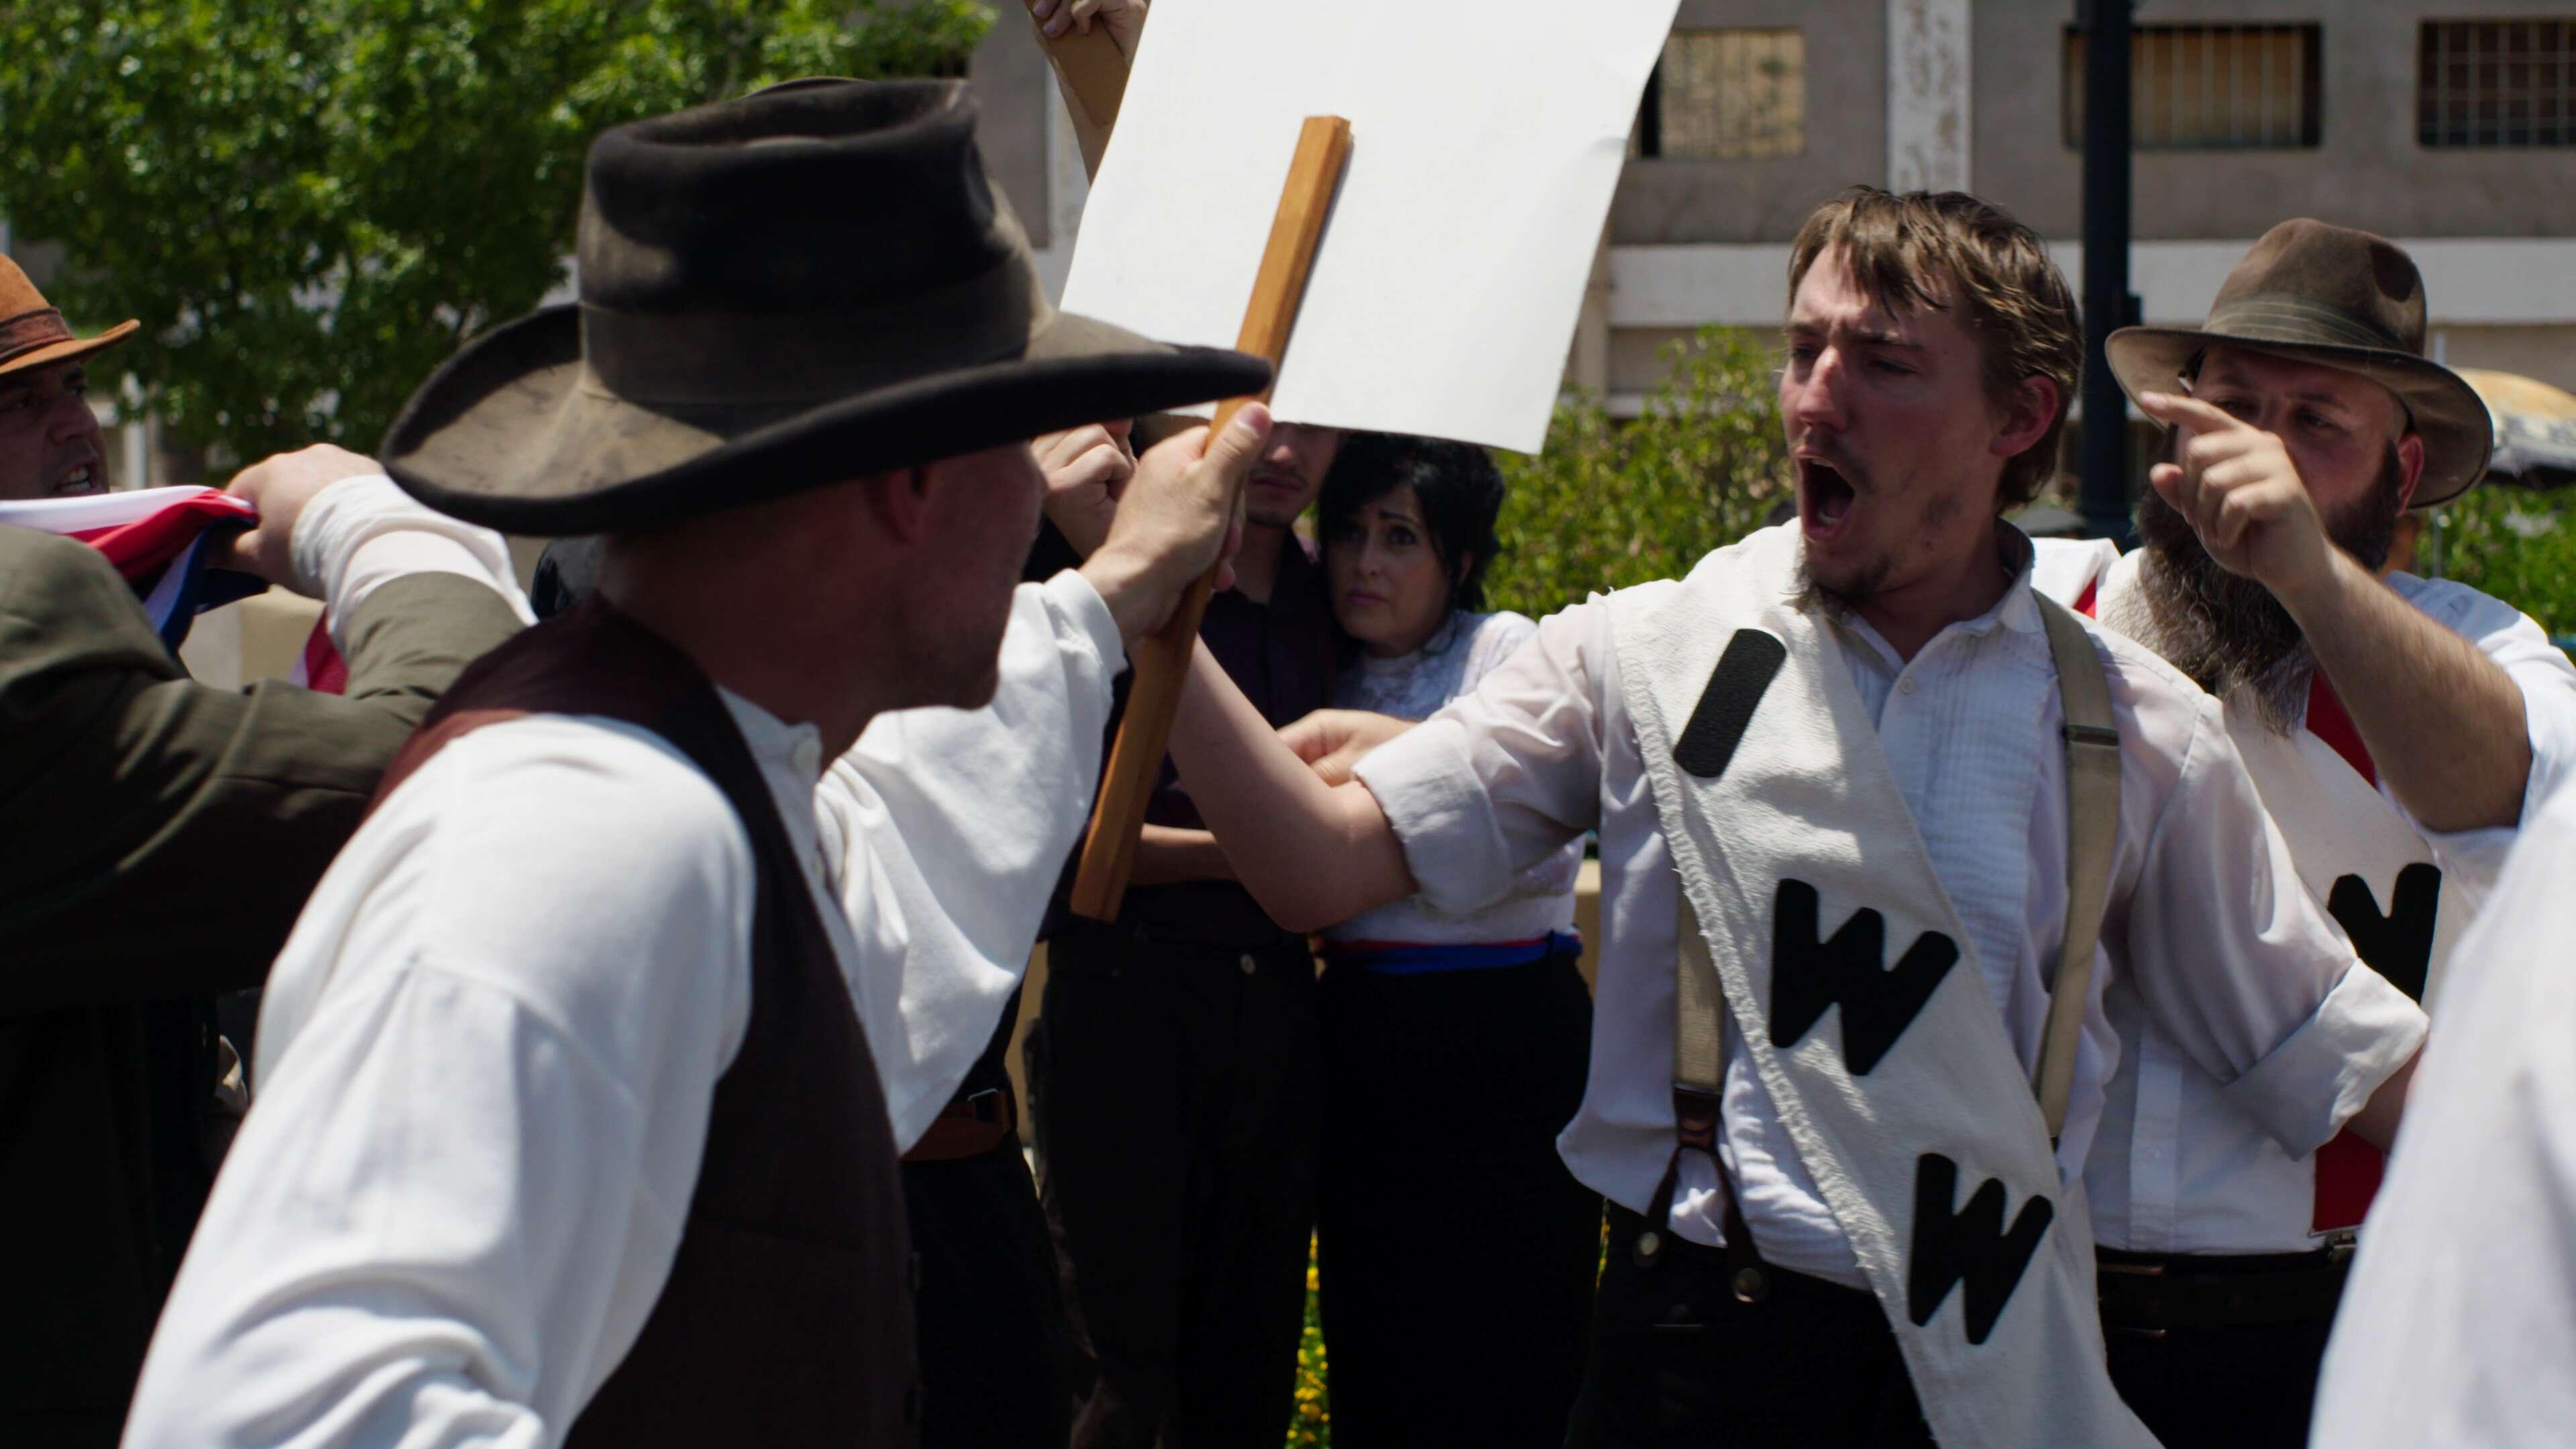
column 158, row 836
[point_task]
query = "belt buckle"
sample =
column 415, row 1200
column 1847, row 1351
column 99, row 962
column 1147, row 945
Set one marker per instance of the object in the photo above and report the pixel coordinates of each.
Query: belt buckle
column 986, row 1105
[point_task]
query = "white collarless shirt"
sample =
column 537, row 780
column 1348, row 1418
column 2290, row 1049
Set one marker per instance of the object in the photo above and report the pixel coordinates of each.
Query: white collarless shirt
column 2459, row 1326
column 490, row 1047
column 2207, row 921
column 2177, row 1169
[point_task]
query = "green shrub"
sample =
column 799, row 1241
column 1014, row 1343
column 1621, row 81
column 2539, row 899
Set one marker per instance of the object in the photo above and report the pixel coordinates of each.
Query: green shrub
column 1611, row 504
column 1311, row 1425
column 2513, row 543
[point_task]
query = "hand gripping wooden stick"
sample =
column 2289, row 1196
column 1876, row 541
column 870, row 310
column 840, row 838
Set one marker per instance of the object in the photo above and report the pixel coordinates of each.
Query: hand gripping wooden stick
column 1162, row 659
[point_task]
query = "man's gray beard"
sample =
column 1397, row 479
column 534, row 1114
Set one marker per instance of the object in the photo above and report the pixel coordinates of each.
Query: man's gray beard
column 2226, row 631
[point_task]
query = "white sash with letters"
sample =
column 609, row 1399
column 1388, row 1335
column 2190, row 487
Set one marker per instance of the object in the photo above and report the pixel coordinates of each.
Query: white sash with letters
column 2354, row 851
column 1855, row 989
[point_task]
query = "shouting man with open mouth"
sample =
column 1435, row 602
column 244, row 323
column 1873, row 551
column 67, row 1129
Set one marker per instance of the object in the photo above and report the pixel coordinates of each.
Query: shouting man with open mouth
column 1856, row 763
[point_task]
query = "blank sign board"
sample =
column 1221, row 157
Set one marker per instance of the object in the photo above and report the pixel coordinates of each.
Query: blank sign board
column 1486, row 141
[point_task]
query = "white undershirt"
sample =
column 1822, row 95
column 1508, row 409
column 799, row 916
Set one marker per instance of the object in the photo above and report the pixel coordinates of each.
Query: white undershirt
column 490, row 1047
column 2207, row 918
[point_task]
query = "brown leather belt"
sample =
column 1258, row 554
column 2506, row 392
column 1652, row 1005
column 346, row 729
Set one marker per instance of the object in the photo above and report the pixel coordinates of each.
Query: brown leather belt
column 2152, row 1293
column 968, row 1127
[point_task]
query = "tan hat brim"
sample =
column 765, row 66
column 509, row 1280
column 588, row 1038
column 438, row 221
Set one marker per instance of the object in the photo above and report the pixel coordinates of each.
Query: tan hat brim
column 70, row 349
column 2458, row 431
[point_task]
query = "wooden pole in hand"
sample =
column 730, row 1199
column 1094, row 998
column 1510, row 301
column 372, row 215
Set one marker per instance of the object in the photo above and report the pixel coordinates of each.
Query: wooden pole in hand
column 1162, row 659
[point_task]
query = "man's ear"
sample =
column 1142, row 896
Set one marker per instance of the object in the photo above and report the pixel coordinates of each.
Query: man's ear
column 898, row 503
column 2026, row 414
column 2410, row 468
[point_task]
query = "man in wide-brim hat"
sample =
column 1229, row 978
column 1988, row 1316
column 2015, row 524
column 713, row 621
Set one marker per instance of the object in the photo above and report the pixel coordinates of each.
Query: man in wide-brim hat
column 2396, row 728
column 584, row 1076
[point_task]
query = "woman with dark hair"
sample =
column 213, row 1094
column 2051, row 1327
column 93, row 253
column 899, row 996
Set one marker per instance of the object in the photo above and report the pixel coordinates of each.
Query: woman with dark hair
column 1455, row 1047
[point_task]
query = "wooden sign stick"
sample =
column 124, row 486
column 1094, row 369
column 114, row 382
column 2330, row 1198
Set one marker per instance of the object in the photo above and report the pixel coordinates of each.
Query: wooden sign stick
column 1162, row 659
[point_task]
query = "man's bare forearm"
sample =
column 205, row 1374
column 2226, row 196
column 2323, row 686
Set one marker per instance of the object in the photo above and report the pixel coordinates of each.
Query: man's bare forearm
column 2443, row 723
column 2377, row 1121
column 1312, row 854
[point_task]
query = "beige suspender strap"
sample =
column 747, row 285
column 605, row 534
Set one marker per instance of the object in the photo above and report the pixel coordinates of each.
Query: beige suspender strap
column 1699, row 1022
column 2092, row 829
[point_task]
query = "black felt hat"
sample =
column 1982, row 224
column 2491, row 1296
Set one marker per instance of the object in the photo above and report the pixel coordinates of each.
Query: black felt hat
column 809, row 284
column 2347, row 299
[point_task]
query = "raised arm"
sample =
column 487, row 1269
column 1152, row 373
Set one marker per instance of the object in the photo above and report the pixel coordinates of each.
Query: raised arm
column 2443, row 722
column 184, row 825
column 1312, row 854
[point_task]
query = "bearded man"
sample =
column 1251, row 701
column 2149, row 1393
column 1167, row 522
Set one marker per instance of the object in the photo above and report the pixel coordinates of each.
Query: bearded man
column 1841, row 1203
column 2397, row 729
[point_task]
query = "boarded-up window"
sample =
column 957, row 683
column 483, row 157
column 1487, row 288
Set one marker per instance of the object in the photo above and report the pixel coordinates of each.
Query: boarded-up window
column 2496, row 83
column 1727, row 95
column 2211, row 87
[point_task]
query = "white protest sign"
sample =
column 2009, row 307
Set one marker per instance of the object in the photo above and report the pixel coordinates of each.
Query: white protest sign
column 1486, row 141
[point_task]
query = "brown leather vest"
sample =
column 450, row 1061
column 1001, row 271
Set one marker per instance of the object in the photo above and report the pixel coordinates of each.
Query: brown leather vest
column 787, row 1320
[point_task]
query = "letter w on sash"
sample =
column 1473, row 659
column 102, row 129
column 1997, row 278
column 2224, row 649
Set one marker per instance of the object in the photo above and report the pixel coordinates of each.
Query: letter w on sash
column 1850, row 971
column 1969, row 1245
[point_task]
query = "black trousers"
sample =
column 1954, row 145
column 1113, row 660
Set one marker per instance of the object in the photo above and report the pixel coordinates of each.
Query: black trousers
column 1177, row 1119
column 995, row 1359
column 2254, row 1387
column 1679, row 1363
column 1457, row 1253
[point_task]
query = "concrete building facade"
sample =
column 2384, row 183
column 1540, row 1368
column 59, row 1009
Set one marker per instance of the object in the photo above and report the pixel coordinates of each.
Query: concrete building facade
column 2448, row 125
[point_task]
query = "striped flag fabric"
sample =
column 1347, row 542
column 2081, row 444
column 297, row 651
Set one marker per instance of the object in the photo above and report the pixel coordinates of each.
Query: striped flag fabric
column 161, row 539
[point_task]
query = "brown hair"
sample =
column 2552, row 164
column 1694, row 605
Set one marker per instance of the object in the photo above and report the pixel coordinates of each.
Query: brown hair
column 1924, row 249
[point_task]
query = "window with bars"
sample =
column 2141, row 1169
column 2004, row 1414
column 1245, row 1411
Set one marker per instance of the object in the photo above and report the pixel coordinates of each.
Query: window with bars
column 2211, row 87
column 1726, row 95
column 2508, row 83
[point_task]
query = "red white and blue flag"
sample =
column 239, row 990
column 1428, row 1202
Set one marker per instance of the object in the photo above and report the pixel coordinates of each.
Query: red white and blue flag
column 160, row 539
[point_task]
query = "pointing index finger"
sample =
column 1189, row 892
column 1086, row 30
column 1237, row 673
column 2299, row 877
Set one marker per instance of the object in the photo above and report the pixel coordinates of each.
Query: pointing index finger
column 2178, row 410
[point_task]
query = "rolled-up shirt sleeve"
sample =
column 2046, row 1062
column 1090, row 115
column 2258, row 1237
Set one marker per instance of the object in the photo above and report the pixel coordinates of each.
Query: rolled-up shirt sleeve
column 948, row 829
column 2242, row 967
column 1506, row 774
column 362, row 533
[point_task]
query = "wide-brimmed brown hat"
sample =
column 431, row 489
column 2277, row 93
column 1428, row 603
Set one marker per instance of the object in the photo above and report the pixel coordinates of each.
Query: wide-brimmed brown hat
column 33, row 333
column 2344, row 298
column 809, row 284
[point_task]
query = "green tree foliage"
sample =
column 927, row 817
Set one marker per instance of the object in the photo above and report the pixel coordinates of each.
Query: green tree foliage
column 2511, row 542
column 1611, row 504
column 309, row 205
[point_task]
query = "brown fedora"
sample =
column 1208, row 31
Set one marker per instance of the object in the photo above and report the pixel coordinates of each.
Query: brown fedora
column 813, row 283
column 32, row 331
column 2344, row 298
